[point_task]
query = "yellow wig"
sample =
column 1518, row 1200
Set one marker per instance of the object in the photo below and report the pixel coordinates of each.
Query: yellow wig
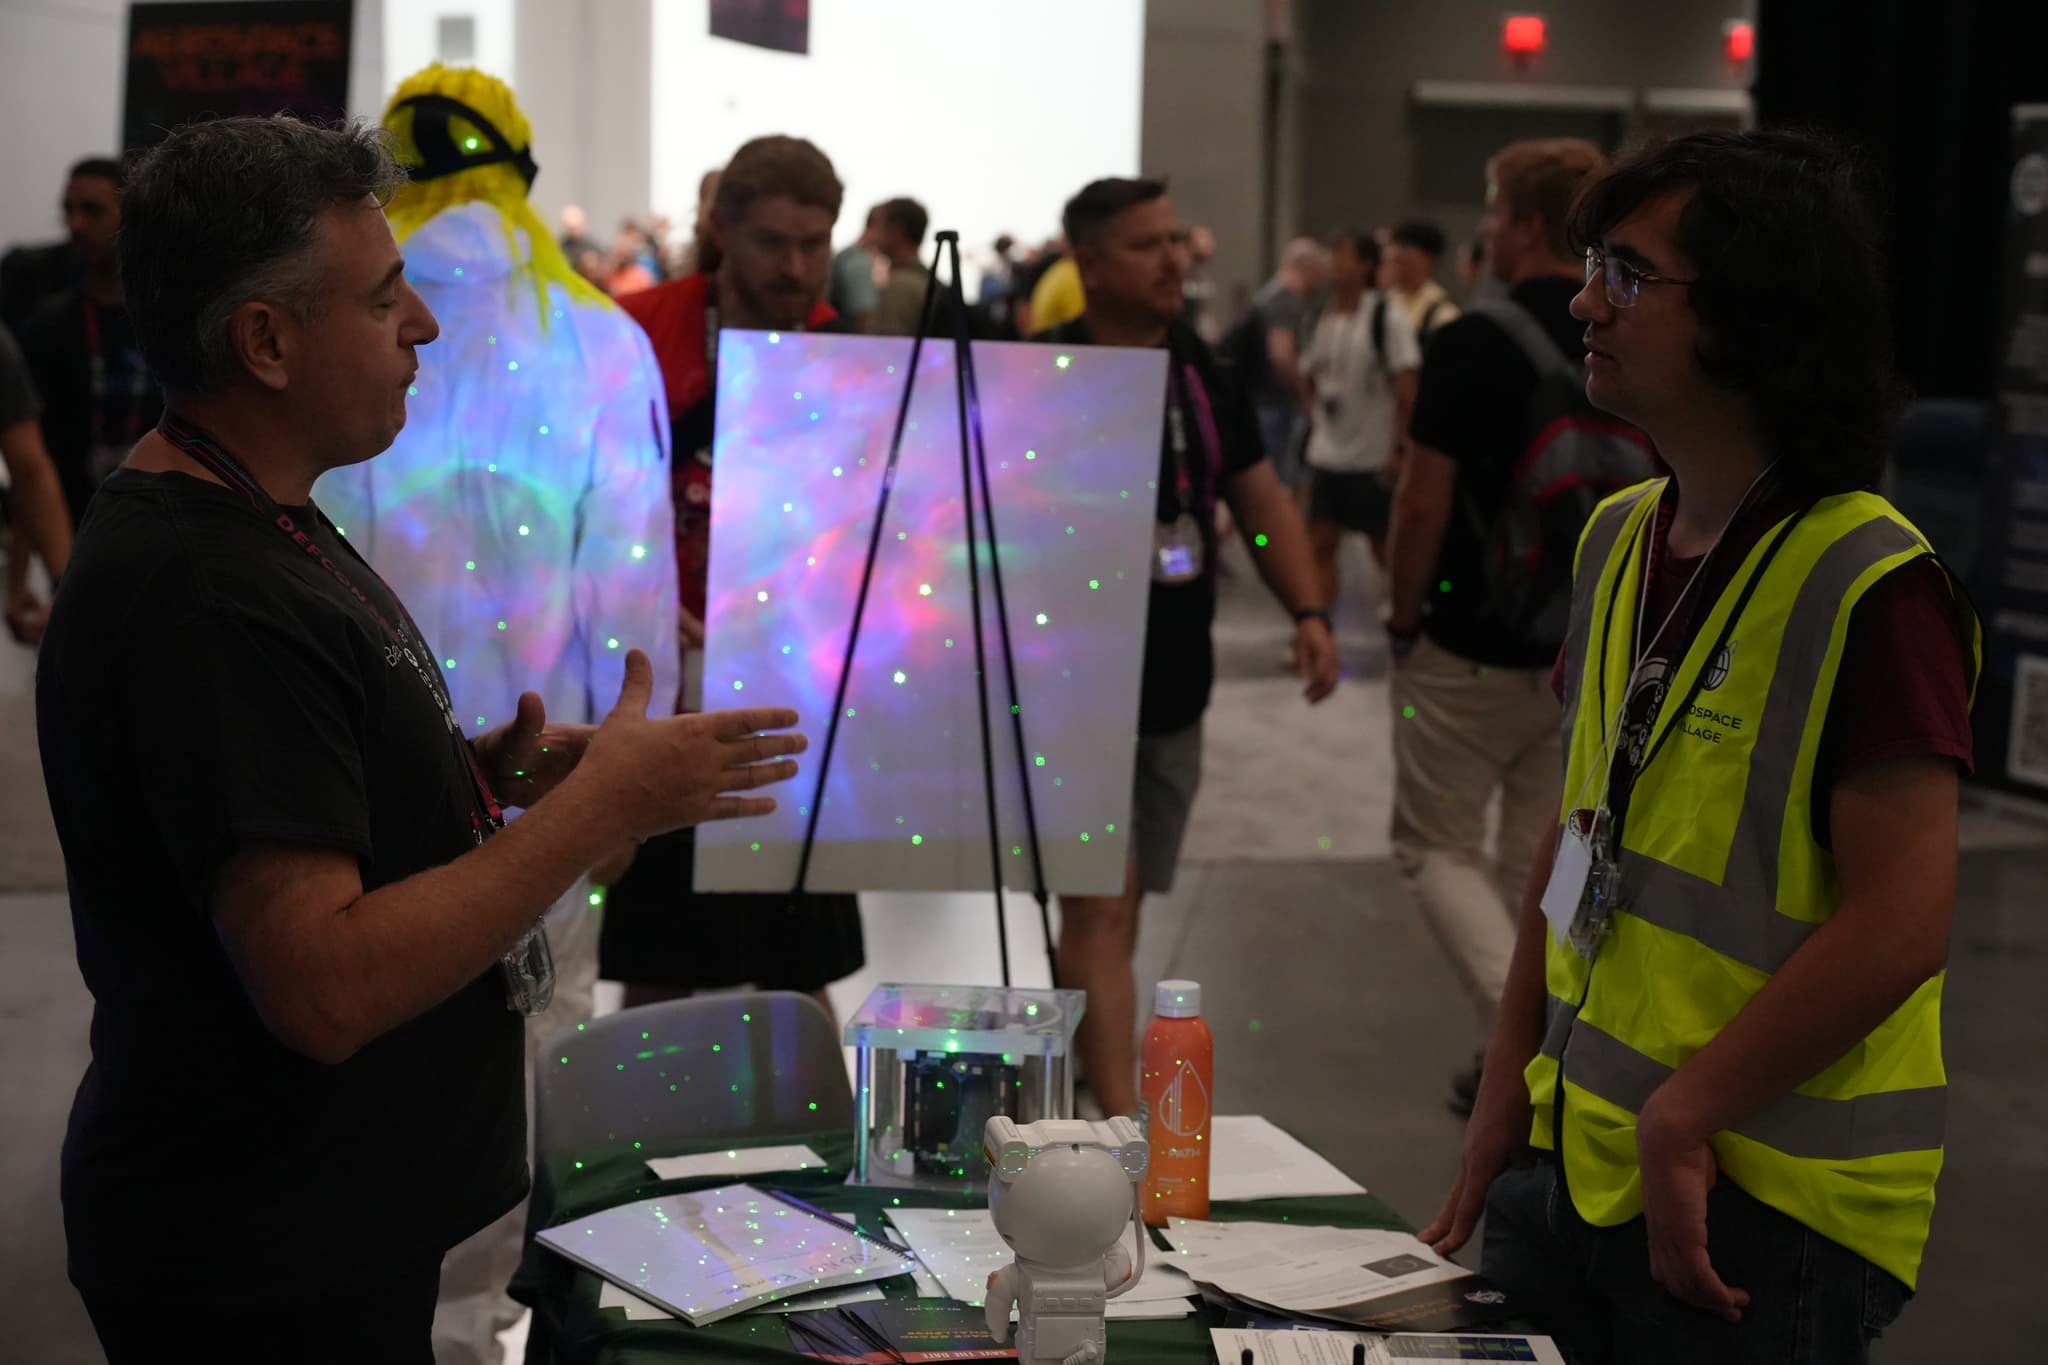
column 498, row 183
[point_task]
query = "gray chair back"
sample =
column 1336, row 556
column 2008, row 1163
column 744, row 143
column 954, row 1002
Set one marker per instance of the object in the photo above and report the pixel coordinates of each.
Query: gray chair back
column 753, row 1066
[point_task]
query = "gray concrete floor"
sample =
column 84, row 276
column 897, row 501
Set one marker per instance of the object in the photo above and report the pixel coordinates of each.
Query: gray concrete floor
column 1334, row 1014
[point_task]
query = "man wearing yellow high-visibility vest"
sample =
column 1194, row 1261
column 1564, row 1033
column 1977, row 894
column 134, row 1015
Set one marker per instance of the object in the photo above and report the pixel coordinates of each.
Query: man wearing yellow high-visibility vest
column 1721, row 1029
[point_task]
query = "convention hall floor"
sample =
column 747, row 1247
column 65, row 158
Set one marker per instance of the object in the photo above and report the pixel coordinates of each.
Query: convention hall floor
column 1333, row 1009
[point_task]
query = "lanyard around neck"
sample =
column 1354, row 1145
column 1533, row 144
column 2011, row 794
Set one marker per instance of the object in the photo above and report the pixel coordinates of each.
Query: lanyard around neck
column 1623, row 775
column 403, row 635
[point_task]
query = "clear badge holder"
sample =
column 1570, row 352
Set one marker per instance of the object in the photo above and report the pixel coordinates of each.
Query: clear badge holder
column 1176, row 550
column 1599, row 900
column 529, row 971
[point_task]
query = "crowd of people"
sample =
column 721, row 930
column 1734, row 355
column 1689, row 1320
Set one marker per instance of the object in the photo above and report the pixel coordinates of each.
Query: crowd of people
column 1020, row 291
column 1642, row 417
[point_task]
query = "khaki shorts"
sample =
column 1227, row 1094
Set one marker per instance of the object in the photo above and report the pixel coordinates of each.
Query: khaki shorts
column 1168, row 774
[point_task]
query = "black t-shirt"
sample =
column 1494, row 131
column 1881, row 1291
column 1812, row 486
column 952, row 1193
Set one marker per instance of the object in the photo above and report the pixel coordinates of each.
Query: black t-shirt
column 31, row 274
column 206, row 685
column 93, row 414
column 1180, row 657
column 18, row 400
column 1471, row 404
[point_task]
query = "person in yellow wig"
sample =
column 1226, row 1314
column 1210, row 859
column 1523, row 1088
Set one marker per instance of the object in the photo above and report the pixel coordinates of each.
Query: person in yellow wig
column 523, row 512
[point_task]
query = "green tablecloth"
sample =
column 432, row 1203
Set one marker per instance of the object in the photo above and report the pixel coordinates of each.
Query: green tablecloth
column 563, row 1296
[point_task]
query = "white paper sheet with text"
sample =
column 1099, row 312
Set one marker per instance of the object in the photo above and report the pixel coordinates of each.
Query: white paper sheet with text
column 962, row 1249
column 1253, row 1159
column 1305, row 1270
column 1334, row 1348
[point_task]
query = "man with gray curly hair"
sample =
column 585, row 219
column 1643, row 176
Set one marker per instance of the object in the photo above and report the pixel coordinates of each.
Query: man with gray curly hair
column 308, row 943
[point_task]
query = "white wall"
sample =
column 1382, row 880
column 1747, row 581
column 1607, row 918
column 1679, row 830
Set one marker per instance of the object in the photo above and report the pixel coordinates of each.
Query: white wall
column 60, row 100
column 1204, row 105
column 972, row 106
column 61, row 79
column 989, row 112
column 410, row 29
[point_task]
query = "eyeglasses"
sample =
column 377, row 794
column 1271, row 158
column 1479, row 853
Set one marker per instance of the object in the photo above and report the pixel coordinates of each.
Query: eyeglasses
column 1623, row 280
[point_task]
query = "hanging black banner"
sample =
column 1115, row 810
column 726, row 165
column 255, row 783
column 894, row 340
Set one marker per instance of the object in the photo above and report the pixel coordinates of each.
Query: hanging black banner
column 784, row 25
column 191, row 61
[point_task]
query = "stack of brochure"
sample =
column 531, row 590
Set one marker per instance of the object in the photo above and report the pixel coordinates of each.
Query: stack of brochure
column 1362, row 1277
column 709, row 1254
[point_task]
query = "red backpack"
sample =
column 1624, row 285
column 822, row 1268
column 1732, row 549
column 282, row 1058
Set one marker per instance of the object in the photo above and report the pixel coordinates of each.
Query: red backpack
column 1572, row 456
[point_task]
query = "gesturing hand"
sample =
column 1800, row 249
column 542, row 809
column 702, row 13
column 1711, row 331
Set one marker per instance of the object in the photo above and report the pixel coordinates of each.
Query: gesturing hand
column 1678, row 1170
column 676, row 771
column 528, row 758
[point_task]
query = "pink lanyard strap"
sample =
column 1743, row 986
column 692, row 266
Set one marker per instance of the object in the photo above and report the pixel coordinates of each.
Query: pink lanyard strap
column 210, row 456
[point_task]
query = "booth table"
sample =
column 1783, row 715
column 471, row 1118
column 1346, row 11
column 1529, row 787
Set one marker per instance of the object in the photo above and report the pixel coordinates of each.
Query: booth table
column 569, row 1327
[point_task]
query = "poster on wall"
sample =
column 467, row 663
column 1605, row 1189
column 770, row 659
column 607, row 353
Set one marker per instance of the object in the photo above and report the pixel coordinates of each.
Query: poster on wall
column 2012, row 584
column 780, row 25
column 190, row 61
column 802, row 446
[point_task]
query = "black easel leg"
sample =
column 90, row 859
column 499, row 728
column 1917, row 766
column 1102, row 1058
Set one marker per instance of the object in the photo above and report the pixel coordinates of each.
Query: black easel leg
column 949, row 246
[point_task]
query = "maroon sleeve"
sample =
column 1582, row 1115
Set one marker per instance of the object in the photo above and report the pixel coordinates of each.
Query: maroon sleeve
column 1903, row 687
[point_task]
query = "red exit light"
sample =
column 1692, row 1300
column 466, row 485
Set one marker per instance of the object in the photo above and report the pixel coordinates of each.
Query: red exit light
column 1738, row 40
column 1522, row 34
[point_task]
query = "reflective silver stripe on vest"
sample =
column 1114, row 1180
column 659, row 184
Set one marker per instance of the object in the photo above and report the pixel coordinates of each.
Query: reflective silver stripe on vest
column 1739, row 918
column 1797, row 1125
column 1594, row 551
column 1557, row 1025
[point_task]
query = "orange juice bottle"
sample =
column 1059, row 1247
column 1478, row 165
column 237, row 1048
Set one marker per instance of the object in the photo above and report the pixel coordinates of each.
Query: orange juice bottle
column 1178, row 1077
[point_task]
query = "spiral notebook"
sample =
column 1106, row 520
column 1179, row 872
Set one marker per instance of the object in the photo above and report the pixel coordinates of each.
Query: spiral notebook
column 709, row 1254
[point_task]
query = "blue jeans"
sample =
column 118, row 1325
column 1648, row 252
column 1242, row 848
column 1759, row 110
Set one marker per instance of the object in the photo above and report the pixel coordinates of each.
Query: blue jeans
column 1282, row 428
column 1812, row 1301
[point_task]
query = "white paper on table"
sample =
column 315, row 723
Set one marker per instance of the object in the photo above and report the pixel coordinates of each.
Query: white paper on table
column 1334, row 1348
column 1208, row 1252
column 961, row 1248
column 804, row 425
column 1146, row 1310
column 928, row 1286
column 637, row 1309
column 1295, row 1348
column 1306, row 1270
column 1251, row 1158
column 736, row 1163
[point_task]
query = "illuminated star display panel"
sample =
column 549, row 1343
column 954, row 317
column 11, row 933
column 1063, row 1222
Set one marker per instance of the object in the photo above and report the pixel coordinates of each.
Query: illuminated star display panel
column 802, row 441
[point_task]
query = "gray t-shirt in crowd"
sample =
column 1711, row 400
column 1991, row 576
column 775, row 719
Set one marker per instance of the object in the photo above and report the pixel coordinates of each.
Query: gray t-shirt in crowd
column 1280, row 309
column 18, row 401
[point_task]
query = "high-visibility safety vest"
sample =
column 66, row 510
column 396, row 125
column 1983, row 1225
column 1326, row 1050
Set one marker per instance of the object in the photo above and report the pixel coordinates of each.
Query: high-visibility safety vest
column 1722, row 880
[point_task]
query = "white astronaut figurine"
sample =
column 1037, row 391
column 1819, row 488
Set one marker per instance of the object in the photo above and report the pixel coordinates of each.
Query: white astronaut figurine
column 1061, row 1192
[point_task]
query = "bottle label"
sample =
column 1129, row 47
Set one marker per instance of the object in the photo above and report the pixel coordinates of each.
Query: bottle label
column 1183, row 1106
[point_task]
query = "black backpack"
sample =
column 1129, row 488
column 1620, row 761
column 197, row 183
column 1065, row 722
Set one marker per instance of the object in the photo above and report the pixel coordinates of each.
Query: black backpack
column 1572, row 456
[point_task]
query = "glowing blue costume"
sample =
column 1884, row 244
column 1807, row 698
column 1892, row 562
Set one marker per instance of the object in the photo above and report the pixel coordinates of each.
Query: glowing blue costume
column 523, row 514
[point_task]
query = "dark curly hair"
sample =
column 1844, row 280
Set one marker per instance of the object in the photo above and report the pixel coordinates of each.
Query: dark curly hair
column 1792, row 288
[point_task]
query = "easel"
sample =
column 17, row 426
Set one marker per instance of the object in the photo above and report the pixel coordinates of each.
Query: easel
column 973, row 470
